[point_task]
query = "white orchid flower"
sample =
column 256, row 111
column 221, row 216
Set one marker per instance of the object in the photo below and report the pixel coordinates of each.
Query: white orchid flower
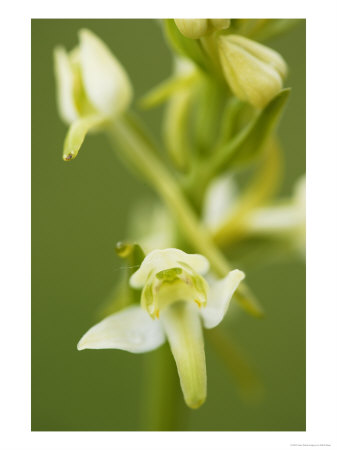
column 92, row 88
column 287, row 219
column 254, row 72
column 175, row 301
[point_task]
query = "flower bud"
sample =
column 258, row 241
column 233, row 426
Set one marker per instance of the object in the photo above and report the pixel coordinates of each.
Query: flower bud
column 197, row 28
column 92, row 89
column 90, row 80
column 254, row 72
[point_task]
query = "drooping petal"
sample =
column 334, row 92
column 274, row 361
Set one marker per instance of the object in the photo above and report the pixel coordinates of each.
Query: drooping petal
column 105, row 81
column 130, row 329
column 64, row 86
column 77, row 132
column 182, row 325
column 220, row 294
column 159, row 260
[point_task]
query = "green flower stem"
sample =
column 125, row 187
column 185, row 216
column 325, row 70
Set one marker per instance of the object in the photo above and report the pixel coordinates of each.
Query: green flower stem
column 163, row 407
column 134, row 149
column 246, row 146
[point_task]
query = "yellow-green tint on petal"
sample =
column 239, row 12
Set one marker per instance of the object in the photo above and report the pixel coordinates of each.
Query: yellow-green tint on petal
column 64, row 85
column 169, row 286
column 77, row 132
column 192, row 28
column 82, row 103
column 261, row 52
column 169, row 258
column 106, row 83
column 197, row 28
column 182, row 326
column 254, row 72
column 219, row 24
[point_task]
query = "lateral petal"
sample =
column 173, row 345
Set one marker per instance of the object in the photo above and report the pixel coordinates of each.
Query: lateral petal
column 130, row 329
column 220, row 294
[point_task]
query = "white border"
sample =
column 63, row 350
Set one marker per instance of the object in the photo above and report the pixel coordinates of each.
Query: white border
column 321, row 217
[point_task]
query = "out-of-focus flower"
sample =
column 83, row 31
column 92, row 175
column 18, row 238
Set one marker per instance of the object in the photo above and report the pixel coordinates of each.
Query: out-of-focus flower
column 254, row 72
column 283, row 220
column 286, row 220
column 197, row 28
column 92, row 88
column 175, row 300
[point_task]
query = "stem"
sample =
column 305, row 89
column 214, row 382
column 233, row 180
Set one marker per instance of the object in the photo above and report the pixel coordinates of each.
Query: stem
column 134, row 149
column 162, row 403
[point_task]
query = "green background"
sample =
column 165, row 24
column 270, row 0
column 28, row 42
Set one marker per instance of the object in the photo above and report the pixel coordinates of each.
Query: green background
column 80, row 210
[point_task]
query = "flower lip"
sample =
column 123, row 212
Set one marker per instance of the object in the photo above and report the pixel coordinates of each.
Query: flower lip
column 173, row 292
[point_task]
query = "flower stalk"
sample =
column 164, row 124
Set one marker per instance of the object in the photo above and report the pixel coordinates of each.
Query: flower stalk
column 168, row 295
column 135, row 151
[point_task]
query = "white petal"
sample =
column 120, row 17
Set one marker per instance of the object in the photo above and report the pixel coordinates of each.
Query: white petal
column 64, row 85
column 131, row 329
column 221, row 292
column 274, row 219
column 219, row 201
column 105, row 81
column 169, row 258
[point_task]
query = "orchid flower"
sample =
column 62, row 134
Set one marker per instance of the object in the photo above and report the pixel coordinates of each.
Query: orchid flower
column 92, row 89
column 175, row 301
column 285, row 219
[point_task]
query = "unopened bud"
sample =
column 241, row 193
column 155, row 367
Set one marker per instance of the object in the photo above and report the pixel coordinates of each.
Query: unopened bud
column 254, row 72
column 197, row 28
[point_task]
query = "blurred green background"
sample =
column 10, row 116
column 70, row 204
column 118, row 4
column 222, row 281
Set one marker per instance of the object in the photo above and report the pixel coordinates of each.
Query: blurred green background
column 79, row 212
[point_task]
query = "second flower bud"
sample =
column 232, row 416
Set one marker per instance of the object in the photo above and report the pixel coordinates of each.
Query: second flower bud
column 254, row 72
